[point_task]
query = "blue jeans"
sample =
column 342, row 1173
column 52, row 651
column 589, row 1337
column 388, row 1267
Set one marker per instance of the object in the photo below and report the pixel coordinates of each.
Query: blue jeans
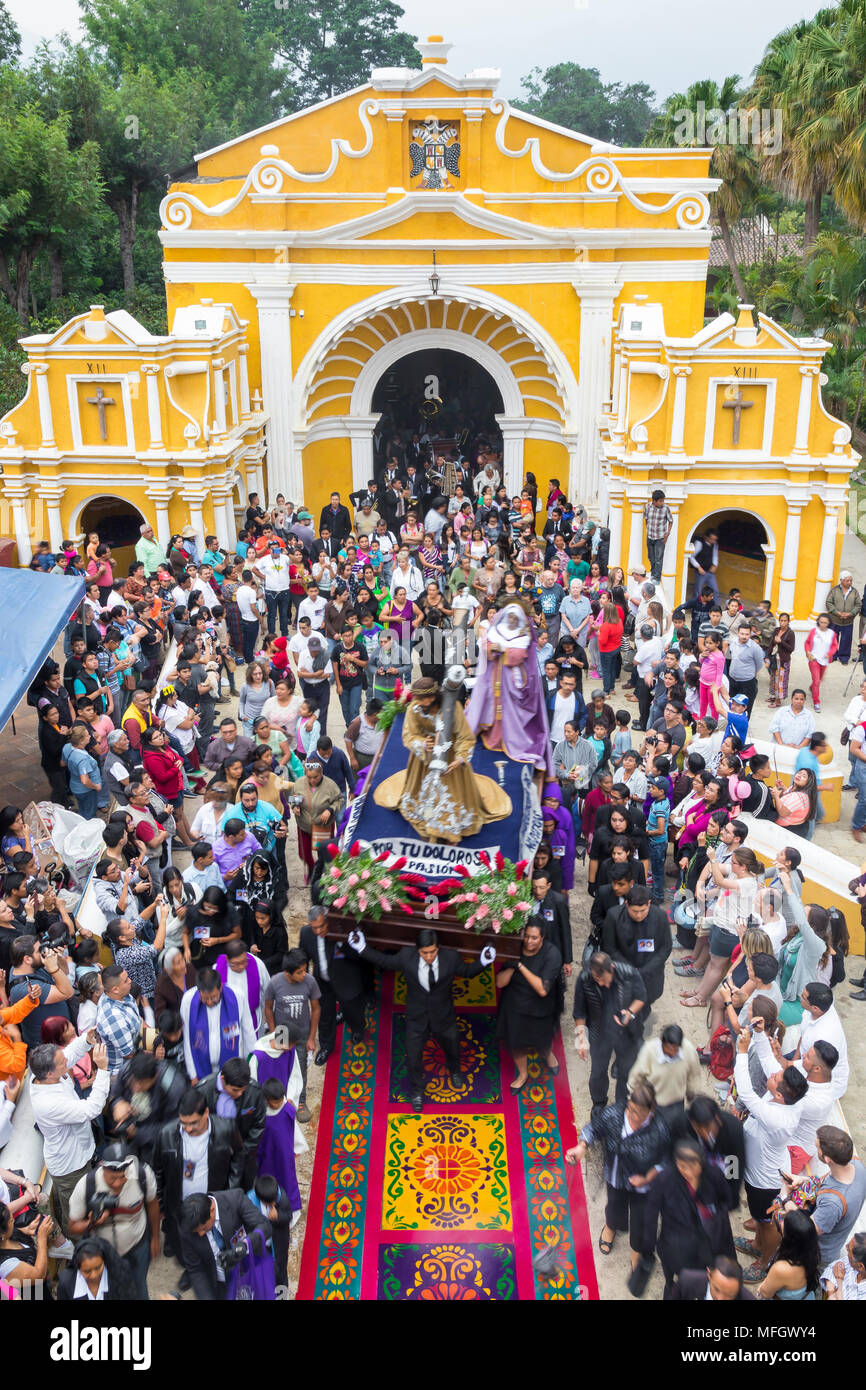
column 278, row 604
column 858, row 778
column 137, row 1261
column 658, row 850
column 250, row 635
column 350, row 702
column 607, row 665
column 87, row 802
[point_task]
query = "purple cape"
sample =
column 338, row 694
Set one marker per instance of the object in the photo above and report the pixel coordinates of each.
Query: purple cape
column 276, row 1152
column 525, row 726
column 280, row 1067
column 564, row 823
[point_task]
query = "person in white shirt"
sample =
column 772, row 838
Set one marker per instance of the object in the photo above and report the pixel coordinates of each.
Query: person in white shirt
column 632, row 777
column 274, row 570
column 298, row 646
column 854, row 715
column 210, row 990
column 246, row 599
column 818, row 1067
column 206, row 822
column 636, row 580
column 62, row 1117
column 821, row 1021
column 406, row 576
column 313, row 607
column 773, row 1120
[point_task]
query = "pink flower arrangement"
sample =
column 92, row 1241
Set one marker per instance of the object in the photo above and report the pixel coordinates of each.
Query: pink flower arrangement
column 501, row 888
column 366, row 887
column 365, row 874
column 353, row 880
column 511, row 890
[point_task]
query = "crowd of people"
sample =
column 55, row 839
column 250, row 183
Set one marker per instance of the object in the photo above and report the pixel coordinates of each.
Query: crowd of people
column 192, row 717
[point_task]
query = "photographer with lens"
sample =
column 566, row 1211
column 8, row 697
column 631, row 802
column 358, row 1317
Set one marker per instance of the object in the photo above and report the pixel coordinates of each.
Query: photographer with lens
column 117, row 1201
column 212, row 1228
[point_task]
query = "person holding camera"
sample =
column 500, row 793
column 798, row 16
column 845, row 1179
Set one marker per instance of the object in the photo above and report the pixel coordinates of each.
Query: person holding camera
column 62, row 1118
column 117, row 1201
column 34, row 964
column 210, row 1225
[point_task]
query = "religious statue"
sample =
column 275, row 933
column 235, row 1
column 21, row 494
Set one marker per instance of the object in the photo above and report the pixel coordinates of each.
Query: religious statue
column 507, row 705
column 439, row 794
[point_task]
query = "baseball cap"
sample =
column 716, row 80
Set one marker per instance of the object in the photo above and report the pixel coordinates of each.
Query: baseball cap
column 739, row 699
column 657, row 782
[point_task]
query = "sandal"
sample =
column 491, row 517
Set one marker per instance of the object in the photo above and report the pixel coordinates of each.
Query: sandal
column 755, row 1274
column 745, row 1246
column 690, row 972
column 693, row 1001
column 605, row 1246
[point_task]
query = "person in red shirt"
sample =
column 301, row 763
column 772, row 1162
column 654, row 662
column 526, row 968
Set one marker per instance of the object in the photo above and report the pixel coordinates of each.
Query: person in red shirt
column 599, row 796
column 165, row 766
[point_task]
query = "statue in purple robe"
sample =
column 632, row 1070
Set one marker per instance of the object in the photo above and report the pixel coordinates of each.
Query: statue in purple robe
column 506, row 708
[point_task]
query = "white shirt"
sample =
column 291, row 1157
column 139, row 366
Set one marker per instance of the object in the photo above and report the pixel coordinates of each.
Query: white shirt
column 647, row 654
column 82, row 1289
column 173, row 716
column 245, row 598
column 297, row 648
column 827, row 1028
column 205, row 824
column 821, row 645
column 212, row 1242
column 637, row 785
column 275, row 570
column 409, row 579
column 323, row 959
column 180, row 596
column 194, row 1152
column 768, row 1131
column 563, row 711
column 423, row 972
column 208, row 592
column 387, row 544
column 853, row 715
column 313, row 608
column 251, row 1027
column 63, row 1118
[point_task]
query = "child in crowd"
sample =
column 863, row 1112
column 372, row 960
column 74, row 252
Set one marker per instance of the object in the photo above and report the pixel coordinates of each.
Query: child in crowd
column 657, row 834
column 621, row 742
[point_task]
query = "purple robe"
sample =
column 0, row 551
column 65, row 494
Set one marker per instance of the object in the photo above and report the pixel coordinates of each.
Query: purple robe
column 276, row 1152
column 280, row 1067
column 519, row 711
column 564, row 824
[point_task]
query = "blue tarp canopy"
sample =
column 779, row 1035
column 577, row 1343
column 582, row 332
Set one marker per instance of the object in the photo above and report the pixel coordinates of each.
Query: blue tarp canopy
column 34, row 608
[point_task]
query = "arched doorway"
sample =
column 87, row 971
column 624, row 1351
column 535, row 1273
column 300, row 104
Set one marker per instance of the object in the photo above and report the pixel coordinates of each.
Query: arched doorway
column 117, row 523
column 445, row 393
column 744, row 543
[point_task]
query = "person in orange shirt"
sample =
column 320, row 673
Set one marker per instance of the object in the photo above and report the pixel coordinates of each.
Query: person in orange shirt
column 13, row 1052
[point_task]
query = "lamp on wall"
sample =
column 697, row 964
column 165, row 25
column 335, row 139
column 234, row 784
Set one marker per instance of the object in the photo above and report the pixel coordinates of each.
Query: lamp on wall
column 434, row 277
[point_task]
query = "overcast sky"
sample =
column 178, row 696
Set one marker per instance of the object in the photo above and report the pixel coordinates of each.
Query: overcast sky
column 668, row 45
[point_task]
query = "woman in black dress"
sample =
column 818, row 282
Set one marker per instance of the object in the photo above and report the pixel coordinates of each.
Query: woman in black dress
column 208, row 927
column 267, row 935
column 53, row 736
column 530, row 1002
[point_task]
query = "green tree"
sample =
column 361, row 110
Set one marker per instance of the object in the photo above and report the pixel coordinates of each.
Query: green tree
column 679, row 124
column 330, row 46
column 834, row 84
column 10, row 39
column 46, row 187
column 574, row 97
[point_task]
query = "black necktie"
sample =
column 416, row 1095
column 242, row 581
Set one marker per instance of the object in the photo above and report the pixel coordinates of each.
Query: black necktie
column 431, row 978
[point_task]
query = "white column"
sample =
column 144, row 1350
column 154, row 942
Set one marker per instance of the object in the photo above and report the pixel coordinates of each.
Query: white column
column 194, row 499
column 826, row 556
column 46, row 423
column 154, row 412
column 622, row 397
column 614, row 522
column 635, row 535
column 361, row 429
column 804, row 409
column 790, row 555
column 678, row 423
column 52, row 496
column 231, row 527
column 244, row 379
column 219, row 501
column 597, row 290
column 513, row 434
column 219, row 397
column 160, row 495
column 16, row 495
column 671, row 555
column 275, row 344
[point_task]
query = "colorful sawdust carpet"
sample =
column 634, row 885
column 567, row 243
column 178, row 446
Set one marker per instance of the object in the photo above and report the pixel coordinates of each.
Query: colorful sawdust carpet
column 455, row 1202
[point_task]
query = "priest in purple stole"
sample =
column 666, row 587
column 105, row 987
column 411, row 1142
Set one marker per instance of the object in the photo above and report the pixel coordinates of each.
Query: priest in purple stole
column 211, row 1026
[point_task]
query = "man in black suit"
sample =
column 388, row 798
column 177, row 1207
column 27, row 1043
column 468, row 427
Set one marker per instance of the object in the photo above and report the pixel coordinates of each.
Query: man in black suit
column 429, row 972
column 721, row 1137
column 551, row 909
column 325, row 544
column 338, row 974
column 180, row 1159
column 336, row 516
column 394, row 505
column 639, row 933
column 234, row 1084
column 611, row 895
column 391, row 473
column 556, row 526
column 723, row 1282
column 210, row 1222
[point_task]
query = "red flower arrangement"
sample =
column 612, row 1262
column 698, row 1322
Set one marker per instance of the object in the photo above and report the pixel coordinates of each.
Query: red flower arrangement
column 499, row 899
column 366, row 885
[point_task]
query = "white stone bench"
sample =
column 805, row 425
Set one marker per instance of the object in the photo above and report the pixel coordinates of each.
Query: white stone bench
column 827, row 875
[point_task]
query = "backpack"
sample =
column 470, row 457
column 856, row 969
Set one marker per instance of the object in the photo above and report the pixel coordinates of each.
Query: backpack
column 722, row 1053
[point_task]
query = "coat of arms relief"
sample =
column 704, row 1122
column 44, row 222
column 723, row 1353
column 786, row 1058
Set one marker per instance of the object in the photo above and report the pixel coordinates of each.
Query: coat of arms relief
column 435, row 153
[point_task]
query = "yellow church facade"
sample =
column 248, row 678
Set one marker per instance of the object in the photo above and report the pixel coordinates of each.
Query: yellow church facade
column 422, row 214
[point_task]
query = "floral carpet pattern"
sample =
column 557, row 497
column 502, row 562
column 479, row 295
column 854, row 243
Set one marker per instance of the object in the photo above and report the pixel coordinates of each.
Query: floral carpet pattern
column 452, row 1204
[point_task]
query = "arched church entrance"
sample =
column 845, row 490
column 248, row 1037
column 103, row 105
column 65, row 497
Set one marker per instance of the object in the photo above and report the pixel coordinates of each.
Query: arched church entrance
column 743, row 545
column 442, row 401
column 117, row 523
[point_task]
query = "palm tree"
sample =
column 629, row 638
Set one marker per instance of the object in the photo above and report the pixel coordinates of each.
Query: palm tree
column 790, row 80
column 837, row 84
column 730, row 162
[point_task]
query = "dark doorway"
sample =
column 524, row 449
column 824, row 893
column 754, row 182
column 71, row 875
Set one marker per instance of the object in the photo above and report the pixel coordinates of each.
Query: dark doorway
column 445, row 394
